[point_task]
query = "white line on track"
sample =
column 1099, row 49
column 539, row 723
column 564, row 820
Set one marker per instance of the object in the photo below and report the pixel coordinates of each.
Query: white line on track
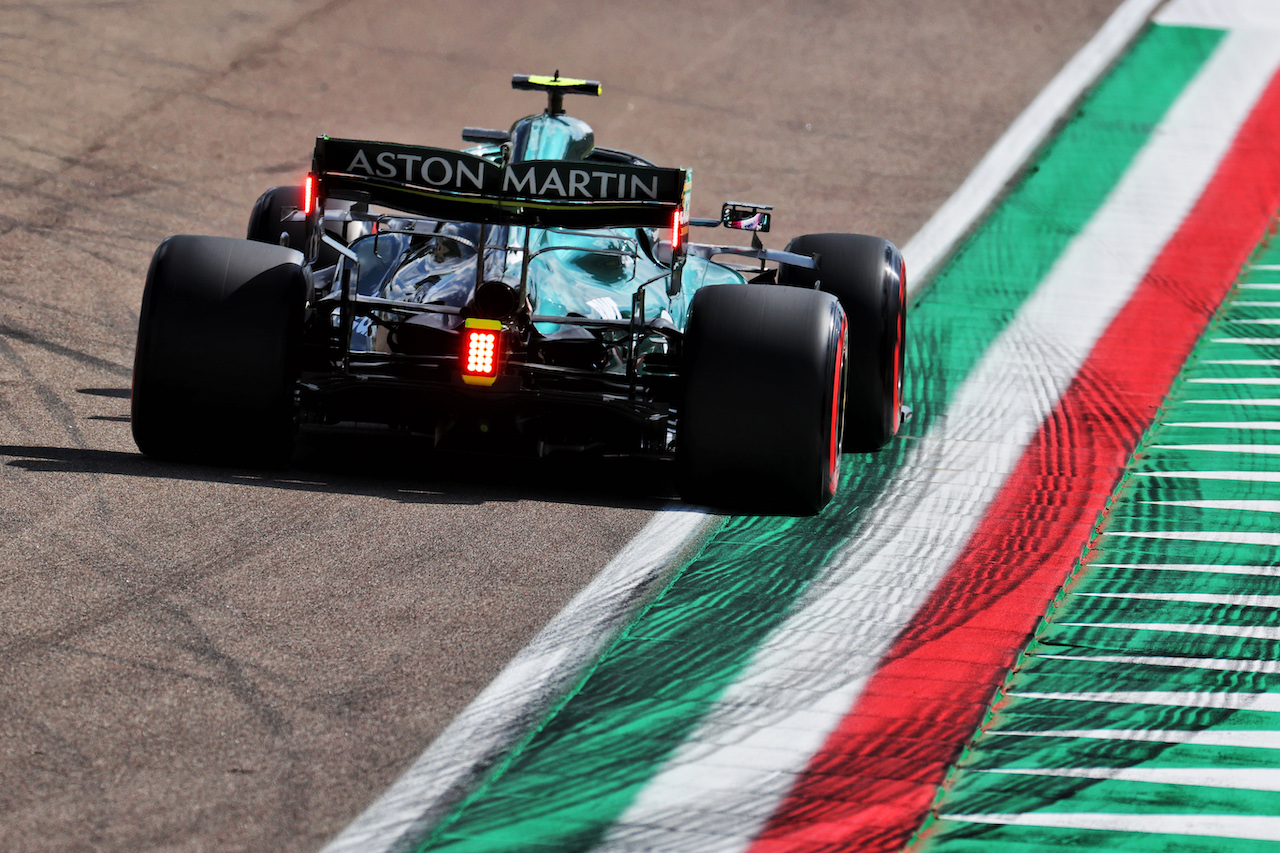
column 1246, row 362
column 1205, row 568
column 1224, row 448
column 1244, row 476
column 1258, row 342
column 1224, row 599
column 1220, row 664
column 1228, row 424
column 1245, row 632
column 1249, row 505
column 1214, row 826
column 1238, row 778
column 1180, row 699
column 1228, row 537
column 1244, row 738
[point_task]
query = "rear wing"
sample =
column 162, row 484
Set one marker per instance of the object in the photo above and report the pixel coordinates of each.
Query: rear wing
column 440, row 183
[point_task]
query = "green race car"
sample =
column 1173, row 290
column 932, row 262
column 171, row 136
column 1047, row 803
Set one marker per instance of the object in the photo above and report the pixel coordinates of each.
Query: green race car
column 533, row 291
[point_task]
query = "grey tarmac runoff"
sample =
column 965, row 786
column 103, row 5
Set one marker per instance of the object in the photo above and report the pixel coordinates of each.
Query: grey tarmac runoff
column 200, row 658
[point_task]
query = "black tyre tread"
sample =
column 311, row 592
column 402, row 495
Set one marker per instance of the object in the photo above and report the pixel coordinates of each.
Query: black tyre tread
column 868, row 276
column 760, row 367
column 217, row 352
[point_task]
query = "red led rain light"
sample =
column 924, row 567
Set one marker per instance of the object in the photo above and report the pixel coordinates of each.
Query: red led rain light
column 481, row 351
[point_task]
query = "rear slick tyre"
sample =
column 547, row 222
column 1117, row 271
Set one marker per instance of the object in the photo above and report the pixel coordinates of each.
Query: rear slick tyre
column 764, row 372
column 216, row 364
column 868, row 276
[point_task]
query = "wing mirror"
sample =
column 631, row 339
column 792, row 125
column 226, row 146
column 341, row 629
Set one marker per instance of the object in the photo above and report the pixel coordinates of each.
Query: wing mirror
column 745, row 217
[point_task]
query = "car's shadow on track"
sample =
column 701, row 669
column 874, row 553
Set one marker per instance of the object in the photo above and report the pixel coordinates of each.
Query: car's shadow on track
column 399, row 470
column 475, row 477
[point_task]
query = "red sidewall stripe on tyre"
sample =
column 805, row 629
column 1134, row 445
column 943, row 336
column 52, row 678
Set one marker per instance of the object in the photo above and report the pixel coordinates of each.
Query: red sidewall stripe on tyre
column 898, row 343
column 909, row 717
column 837, row 407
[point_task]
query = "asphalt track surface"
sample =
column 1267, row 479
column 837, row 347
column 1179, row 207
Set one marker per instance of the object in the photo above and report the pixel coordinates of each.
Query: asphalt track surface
column 201, row 658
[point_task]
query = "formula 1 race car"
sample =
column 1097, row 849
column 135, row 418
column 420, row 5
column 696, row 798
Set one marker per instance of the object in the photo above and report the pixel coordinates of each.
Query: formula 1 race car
column 534, row 291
